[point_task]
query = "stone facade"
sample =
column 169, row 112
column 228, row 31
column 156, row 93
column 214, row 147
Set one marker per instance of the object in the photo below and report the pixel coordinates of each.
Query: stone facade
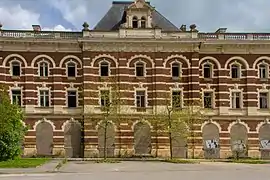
column 50, row 71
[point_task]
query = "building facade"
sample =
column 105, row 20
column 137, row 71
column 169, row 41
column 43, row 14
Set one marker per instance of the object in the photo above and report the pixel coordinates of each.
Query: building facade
column 58, row 79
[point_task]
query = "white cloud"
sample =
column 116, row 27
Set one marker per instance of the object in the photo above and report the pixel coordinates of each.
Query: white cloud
column 17, row 18
column 57, row 28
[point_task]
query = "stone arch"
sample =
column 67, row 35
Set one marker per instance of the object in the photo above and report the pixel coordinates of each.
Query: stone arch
column 264, row 140
column 212, row 59
column 46, row 57
column 44, row 138
column 15, row 56
column 239, row 139
column 71, row 57
column 211, row 140
column 142, row 138
column 148, row 60
column 106, row 57
column 72, row 139
column 256, row 62
column 109, row 136
column 178, row 57
column 239, row 60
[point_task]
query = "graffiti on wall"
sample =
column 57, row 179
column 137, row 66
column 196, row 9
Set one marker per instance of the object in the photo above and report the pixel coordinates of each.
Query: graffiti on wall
column 211, row 144
column 265, row 144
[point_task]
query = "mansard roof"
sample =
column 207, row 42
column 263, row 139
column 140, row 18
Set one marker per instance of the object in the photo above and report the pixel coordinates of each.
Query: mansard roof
column 116, row 16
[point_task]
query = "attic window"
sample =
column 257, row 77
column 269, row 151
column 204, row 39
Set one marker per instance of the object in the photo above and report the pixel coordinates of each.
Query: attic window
column 143, row 22
column 135, row 22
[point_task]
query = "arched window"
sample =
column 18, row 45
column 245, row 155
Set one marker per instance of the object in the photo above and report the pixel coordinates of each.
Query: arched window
column 135, row 22
column 16, row 68
column 140, row 69
column 263, row 71
column 43, row 69
column 143, row 22
column 71, row 69
column 104, row 69
column 207, row 70
column 235, row 71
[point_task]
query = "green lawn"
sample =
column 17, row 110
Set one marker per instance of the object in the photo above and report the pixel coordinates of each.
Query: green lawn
column 23, row 163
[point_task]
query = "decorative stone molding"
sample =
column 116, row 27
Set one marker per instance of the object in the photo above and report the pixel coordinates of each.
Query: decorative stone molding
column 104, row 56
column 71, row 120
column 71, row 57
column 141, row 57
column 14, row 56
column 176, row 56
column 141, row 121
column 111, row 122
column 238, row 121
column 237, row 58
column 44, row 120
column 211, row 59
column 210, row 121
column 45, row 58
column 259, row 59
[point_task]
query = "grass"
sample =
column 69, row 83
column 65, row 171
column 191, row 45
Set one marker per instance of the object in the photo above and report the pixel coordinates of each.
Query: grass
column 248, row 161
column 23, row 163
column 181, row 161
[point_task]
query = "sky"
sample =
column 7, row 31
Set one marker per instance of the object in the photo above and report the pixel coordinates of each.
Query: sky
column 69, row 15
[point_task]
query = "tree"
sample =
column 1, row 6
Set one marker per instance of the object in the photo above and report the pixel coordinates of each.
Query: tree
column 178, row 120
column 12, row 130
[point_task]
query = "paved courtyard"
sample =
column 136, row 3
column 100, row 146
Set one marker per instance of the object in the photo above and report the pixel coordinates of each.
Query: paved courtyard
column 151, row 170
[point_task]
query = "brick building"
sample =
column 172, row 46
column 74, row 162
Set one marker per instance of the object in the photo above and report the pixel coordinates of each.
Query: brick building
column 58, row 78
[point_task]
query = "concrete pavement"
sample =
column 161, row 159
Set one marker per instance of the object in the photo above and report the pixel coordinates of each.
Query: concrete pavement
column 151, row 170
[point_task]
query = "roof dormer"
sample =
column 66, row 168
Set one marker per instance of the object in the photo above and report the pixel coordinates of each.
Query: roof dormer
column 139, row 15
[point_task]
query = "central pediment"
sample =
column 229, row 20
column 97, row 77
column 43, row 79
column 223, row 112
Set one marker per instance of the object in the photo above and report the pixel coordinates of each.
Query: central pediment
column 140, row 4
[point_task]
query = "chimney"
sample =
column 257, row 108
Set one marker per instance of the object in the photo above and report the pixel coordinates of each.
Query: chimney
column 36, row 28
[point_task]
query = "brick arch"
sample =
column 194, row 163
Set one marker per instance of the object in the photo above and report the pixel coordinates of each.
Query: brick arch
column 17, row 57
column 148, row 60
column 184, row 60
column 259, row 60
column 212, row 60
column 68, row 58
column 238, row 59
column 44, row 120
column 41, row 57
column 109, row 58
column 238, row 122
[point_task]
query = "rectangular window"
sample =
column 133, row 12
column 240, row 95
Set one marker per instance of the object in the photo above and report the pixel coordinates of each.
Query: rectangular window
column 104, row 69
column 44, row 98
column 43, row 70
column 72, row 99
column 105, row 98
column 176, row 99
column 16, row 69
column 235, row 71
column 140, row 99
column 208, row 100
column 236, row 100
column 263, row 100
column 207, row 71
column 139, row 70
column 16, row 97
column 71, row 70
column 175, row 70
column 263, row 71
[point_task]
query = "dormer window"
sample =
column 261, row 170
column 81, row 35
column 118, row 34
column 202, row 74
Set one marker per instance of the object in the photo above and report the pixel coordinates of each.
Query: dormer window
column 135, row 22
column 143, row 22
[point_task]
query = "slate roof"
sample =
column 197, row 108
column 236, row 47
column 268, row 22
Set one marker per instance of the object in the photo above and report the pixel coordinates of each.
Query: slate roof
column 115, row 17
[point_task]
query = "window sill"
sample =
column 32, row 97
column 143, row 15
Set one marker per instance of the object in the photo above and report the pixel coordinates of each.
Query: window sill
column 264, row 79
column 71, row 78
column 264, row 109
column 177, row 78
column 15, row 77
column 39, row 107
column 43, row 78
column 140, row 78
column 236, row 79
column 236, row 109
column 72, row 108
column 208, row 79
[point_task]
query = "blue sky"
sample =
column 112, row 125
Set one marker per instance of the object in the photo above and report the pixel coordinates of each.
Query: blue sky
column 209, row 15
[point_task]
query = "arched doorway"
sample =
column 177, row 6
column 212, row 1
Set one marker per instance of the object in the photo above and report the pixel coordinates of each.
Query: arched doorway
column 142, row 139
column 264, row 138
column 239, row 140
column 44, row 139
column 106, row 130
column 211, row 141
column 72, row 134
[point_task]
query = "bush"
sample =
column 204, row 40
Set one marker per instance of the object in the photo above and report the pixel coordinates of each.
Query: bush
column 12, row 130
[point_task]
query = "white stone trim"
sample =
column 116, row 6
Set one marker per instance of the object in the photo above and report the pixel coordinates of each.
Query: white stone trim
column 236, row 89
column 258, row 69
column 263, row 90
column 111, row 122
column 44, row 57
column 49, row 69
column 259, row 59
column 238, row 121
column 72, row 88
column 141, row 121
column 261, row 124
column 210, row 90
column 44, row 120
column 109, row 67
column 14, row 56
column 239, row 65
column 180, row 64
column 69, row 121
column 235, row 58
column 211, row 58
column 76, row 67
column 176, row 56
column 104, row 56
column 141, row 88
column 16, row 87
column 211, row 68
column 70, row 57
column 144, row 68
column 11, row 66
column 44, row 88
column 210, row 121
column 141, row 57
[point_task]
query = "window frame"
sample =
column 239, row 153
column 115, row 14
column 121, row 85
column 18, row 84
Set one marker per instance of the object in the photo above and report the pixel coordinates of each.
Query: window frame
column 266, row 70
column 20, row 95
column 101, row 98
column 143, row 21
column 180, row 91
column 233, row 98
column 135, row 20
column 76, row 95
column 42, row 67
column 211, row 70
column 101, row 64
column 140, row 98
column 44, row 98
column 212, row 98
column 12, row 68
column 143, row 66
column 267, row 99
column 239, row 70
column 75, row 69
